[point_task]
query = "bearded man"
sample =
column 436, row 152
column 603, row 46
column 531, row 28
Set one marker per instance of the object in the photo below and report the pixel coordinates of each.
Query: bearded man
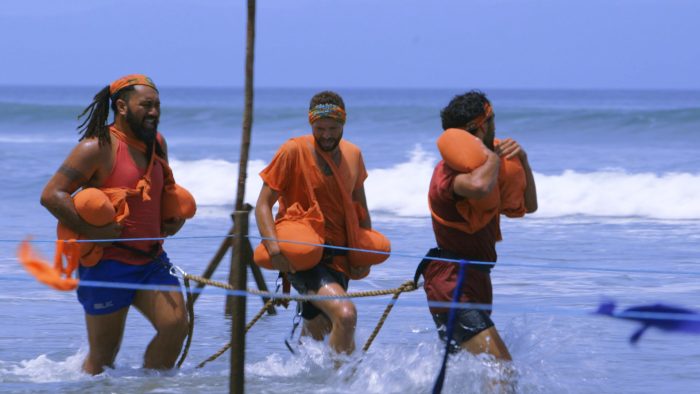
column 126, row 154
column 319, row 170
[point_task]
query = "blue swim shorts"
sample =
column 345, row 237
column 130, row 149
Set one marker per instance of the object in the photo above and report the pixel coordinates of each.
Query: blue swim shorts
column 99, row 300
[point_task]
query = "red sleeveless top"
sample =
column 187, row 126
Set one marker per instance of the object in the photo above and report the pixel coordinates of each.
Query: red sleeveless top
column 144, row 218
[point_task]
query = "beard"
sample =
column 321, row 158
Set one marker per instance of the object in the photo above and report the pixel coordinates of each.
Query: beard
column 328, row 144
column 144, row 129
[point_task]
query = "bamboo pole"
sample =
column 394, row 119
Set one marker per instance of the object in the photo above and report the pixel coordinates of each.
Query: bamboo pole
column 236, row 304
column 240, row 256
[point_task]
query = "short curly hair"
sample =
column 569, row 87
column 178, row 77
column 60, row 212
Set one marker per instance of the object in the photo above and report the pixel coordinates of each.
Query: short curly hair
column 326, row 97
column 462, row 109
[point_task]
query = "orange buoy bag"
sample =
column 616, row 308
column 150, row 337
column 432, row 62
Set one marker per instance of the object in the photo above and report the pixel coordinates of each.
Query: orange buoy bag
column 461, row 150
column 300, row 237
column 367, row 239
column 370, row 240
column 177, row 202
column 97, row 209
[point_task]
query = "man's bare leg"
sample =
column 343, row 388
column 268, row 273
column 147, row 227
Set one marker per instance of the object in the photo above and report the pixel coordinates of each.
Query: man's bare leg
column 104, row 336
column 488, row 341
column 342, row 315
column 317, row 328
column 167, row 313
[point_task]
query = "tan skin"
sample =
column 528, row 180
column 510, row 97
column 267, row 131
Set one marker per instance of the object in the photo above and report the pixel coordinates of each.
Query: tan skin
column 478, row 184
column 339, row 316
column 89, row 165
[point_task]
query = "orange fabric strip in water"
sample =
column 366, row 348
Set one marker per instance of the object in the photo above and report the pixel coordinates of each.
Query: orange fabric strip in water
column 57, row 276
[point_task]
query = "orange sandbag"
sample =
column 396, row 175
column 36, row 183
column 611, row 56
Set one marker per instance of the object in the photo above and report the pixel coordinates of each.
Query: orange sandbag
column 461, row 150
column 305, row 229
column 369, row 240
column 96, row 208
column 177, row 202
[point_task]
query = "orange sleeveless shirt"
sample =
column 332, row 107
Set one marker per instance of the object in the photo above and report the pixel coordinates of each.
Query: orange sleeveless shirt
column 144, row 218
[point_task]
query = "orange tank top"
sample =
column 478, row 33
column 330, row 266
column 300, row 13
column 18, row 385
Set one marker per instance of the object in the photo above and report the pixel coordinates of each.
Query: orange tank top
column 144, row 218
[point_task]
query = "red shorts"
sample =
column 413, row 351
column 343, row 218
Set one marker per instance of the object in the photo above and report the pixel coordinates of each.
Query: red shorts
column 441, row 279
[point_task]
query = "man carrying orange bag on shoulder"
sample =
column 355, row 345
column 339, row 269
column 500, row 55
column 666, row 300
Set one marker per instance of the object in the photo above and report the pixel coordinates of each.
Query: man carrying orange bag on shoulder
column 478, row 179
column 318, row 181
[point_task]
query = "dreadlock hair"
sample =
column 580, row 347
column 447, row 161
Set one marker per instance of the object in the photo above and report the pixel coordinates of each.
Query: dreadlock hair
column 95, row 123
column 462, row 109
column 326, row 97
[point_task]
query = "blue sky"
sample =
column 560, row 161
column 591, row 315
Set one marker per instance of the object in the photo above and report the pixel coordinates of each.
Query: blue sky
column 553, row 44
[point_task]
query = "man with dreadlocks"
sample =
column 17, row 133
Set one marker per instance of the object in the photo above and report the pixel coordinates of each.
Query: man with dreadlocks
column 128, row 154
column 318, row 172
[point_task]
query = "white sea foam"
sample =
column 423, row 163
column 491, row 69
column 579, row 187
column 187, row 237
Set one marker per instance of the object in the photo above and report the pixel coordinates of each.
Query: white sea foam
column 44, row 370
column 401, row 190
column 214, row 182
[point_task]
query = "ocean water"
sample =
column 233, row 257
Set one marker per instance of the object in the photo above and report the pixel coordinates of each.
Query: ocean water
column 618, row 178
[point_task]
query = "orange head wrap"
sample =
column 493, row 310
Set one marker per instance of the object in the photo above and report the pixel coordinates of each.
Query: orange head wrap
column 481, row 119
column 130, row 80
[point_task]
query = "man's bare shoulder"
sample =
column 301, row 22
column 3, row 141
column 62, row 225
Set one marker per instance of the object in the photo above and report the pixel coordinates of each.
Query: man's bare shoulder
column 91, row 149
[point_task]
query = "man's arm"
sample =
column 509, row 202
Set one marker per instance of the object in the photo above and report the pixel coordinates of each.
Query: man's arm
column 509, row 148
column 358, row 196
column 480, row 182
column 81, row 165
column 266, row 226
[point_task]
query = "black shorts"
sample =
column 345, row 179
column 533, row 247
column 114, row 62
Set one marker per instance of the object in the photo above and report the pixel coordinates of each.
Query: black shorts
column 468, row 323
column 313, row 280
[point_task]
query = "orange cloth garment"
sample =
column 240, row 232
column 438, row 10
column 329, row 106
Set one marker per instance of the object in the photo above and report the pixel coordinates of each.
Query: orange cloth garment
column 358, row 237
column 58, row 276
column 286, row 168
column 304, row 226
column 512, row 184
column 176, row 200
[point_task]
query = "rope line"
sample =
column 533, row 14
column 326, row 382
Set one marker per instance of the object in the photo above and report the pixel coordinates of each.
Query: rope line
column 250, row 325
column 287, row 296
column 436, row 304
column 407, row 286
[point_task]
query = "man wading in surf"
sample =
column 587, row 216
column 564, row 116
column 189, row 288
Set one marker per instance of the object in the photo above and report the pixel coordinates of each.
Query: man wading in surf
column 125, row 155
column 323, row 171
column 466, row 205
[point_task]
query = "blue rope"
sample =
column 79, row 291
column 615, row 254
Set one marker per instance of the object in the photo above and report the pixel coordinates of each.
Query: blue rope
column 122, row 239
column 437, row 387
column 412, row 256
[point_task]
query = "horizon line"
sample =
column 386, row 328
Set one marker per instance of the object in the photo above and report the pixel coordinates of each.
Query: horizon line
column 235, row 87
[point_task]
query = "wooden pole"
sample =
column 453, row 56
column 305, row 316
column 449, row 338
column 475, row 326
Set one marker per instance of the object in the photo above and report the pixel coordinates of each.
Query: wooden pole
column 236, row 305
column 248, row 106
column 240, row 256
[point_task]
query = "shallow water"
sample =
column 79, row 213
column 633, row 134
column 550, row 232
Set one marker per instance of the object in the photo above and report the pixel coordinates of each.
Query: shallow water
column 618, row 221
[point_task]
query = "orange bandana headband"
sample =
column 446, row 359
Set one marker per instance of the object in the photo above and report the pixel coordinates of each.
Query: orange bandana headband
column 130, row 80
column 327, row 111
column 481, row 119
